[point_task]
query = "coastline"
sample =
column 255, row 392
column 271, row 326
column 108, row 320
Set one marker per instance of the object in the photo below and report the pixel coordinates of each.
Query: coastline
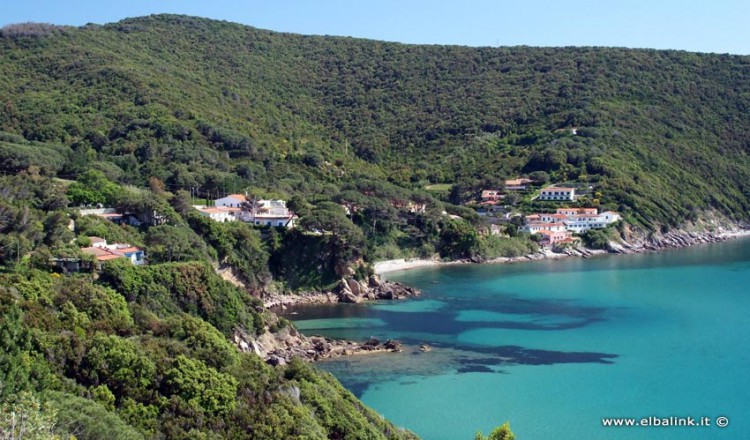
column 279, row 348
column 671, row 240
column 376, row 286
column 397, row 265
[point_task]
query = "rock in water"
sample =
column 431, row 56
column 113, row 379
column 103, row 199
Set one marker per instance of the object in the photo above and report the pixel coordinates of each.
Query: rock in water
column 392, row 345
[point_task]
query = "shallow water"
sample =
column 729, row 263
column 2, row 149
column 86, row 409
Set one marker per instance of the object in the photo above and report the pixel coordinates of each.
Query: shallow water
column 555, row 346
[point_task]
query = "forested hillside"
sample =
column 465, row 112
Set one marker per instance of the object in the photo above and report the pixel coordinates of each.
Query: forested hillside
column 197, row 103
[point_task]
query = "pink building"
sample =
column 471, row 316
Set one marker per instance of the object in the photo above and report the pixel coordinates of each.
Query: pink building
column 549, row 238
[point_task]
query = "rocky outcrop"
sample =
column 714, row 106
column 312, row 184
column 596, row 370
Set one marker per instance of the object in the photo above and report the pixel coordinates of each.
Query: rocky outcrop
column 279, row 348
column 353, row 291
column 347, row 290
column 672, row 239
column 283, row 300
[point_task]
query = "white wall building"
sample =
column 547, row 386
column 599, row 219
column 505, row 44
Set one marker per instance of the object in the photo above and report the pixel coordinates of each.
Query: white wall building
column 270, row 213
column 577, row 220
column 220, row 213
column 257, row 212
column 555, row 193
column 533, row 228
column 231, row 201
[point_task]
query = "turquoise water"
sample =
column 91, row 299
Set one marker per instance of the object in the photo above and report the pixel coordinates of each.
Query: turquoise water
column 553, row 347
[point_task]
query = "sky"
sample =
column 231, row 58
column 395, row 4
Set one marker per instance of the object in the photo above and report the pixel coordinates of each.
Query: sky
column 719, row 26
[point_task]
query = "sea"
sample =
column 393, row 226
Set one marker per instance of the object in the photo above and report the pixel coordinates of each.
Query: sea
column 559, row 348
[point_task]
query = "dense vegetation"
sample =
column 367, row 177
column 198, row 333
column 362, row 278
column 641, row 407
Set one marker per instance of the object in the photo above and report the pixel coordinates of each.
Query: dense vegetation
column 375, row 145
column 145, row 352
column 216, row 107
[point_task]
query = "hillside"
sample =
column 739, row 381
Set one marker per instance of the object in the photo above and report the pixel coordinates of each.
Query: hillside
column 663, row 135
column 133, row 352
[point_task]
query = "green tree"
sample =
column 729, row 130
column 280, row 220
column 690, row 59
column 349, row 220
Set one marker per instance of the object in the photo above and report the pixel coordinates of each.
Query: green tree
column 167, row 243
column 93, row 187
column 86, row 419
column 120, row 364
column 458, row 240
column 15, row 363
column 345, row 240
column 500, row 433
column 26, row 418
column 201, row 385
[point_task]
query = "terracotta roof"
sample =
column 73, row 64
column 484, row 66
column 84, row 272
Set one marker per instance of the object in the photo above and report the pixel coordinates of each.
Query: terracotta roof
column 517, row 182
column 557, row 188
column 108, row 257
column 213, row 210
column 95, row 251
column 97, row 240
column 236, row 196
column 128, row 249
column 101, row 254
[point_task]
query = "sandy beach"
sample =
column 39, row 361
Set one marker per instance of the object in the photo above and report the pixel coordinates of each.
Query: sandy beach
column 404, row 264
column 400, row 264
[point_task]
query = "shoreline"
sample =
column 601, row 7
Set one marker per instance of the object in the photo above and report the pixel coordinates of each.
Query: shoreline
column 278, row 349
column 673, row 240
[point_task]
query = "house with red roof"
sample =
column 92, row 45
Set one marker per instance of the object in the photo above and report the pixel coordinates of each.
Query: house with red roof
column 104, row 252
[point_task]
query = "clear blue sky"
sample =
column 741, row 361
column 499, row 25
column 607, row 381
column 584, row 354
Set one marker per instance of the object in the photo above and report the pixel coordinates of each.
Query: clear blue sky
column 721, row 26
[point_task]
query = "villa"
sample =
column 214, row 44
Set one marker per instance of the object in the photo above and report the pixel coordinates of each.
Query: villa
column 576, row 220
column 236, row 207
column 517, row 184
column 104, row 252
column 220, row 213
column 491, row 195
column 559, row 194
column 232, row 201
column 550, row 238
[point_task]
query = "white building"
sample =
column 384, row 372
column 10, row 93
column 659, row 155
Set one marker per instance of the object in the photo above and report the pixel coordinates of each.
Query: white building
column 258, row 212
column 572, row 219
column 103, row 251
column 555, row 193
column 534, row 228
column 553, row 218
column 583, row 222
column 231, row 201
column 220, row 213
column 270, row 213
